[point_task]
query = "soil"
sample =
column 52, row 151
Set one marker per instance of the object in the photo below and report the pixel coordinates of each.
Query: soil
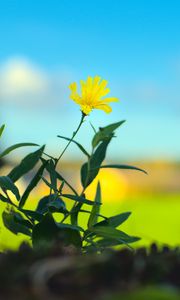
column 64, row 273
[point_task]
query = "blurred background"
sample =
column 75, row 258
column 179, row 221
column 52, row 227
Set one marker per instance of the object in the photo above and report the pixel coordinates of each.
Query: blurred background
column 135, row 45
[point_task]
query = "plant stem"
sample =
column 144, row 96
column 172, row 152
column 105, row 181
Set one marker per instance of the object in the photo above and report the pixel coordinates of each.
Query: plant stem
column 58, row 159
column 70, row 186
column 84, row 188
column 74, row 134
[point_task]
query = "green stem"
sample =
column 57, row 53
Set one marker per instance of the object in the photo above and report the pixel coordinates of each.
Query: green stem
column 70, row 186
column 74, row 214
column 81, row 211
column 58, row 159
column 74, row 134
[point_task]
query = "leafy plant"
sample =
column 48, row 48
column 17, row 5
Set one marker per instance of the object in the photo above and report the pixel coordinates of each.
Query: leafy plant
column 41, row 224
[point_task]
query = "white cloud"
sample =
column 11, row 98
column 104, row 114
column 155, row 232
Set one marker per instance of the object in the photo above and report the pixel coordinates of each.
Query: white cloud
column 19, row 77
column 25, row 84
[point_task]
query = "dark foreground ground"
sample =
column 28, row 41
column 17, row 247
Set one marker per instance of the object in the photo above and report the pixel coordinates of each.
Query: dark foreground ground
column 62, row 273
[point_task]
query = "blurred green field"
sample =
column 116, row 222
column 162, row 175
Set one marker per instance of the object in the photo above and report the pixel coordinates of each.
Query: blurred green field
column 155, row 218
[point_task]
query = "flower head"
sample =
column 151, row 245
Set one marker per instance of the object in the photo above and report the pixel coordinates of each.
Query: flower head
column 92, row 95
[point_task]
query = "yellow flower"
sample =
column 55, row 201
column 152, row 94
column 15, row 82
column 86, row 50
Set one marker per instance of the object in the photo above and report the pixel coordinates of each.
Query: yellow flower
column 92, row 92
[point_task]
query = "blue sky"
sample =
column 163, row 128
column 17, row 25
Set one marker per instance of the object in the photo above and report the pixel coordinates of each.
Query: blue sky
column 133, row 44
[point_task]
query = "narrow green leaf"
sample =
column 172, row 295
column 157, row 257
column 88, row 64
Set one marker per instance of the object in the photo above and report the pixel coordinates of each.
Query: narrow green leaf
column 114, row 221
column 10, row 149
column 93, row 128
column 123, row 167
column 12, row 225
column 64, row 225
column 18, row 218
column 96, row 207
column 4, row 199
column 107, row 243
column 90, row 171
column 26, row 165
column 74, row 213
column 35, row 180
column 61, row 187
column 78, row 144
column 2, row 129
column 61, row 178
column 42, row 206
column 50, row 167
column 52, row 203
column 99, row 155
column 101, row 244
column 7, row 184
column 36, row 216
column 112, row 233
column 47, row 182
column 105, row 133
column 78, row 199
column 57, row 205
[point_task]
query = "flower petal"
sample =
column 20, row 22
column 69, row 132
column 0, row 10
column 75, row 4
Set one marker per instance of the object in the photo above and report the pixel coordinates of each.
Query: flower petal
column 73, row 87
column 110, row 99
column 103, row 84
column 103, row 92
column 104, row 107
column 96, row 80
column 89, row 83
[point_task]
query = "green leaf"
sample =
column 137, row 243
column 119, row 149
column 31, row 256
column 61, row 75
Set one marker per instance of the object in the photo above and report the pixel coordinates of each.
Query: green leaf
column 90, row 170
column 112, row 233
column 4, row 199
column 48, row 231
column 2, row 129
column 12, row 225
column 51, row 203
column 126, row 167
column 46, row 182
column 101, row 244
column 50, row 167
column 57, row 205
column 42, row 206
column 45, row 232
column 115, row 221
column 78, row 144
column 61, row 187
column 61, row 178
column 31, row 185
column 26, row 165
column 7, row 184
column 18, row 218
column 96, row 207
column 36, row 216
column 74, row 227
column 10, row 149
column 93, row 128
column 74, row 213
column 107, row 243
column 70, row 234
column 105, row 133
column 78, row 199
